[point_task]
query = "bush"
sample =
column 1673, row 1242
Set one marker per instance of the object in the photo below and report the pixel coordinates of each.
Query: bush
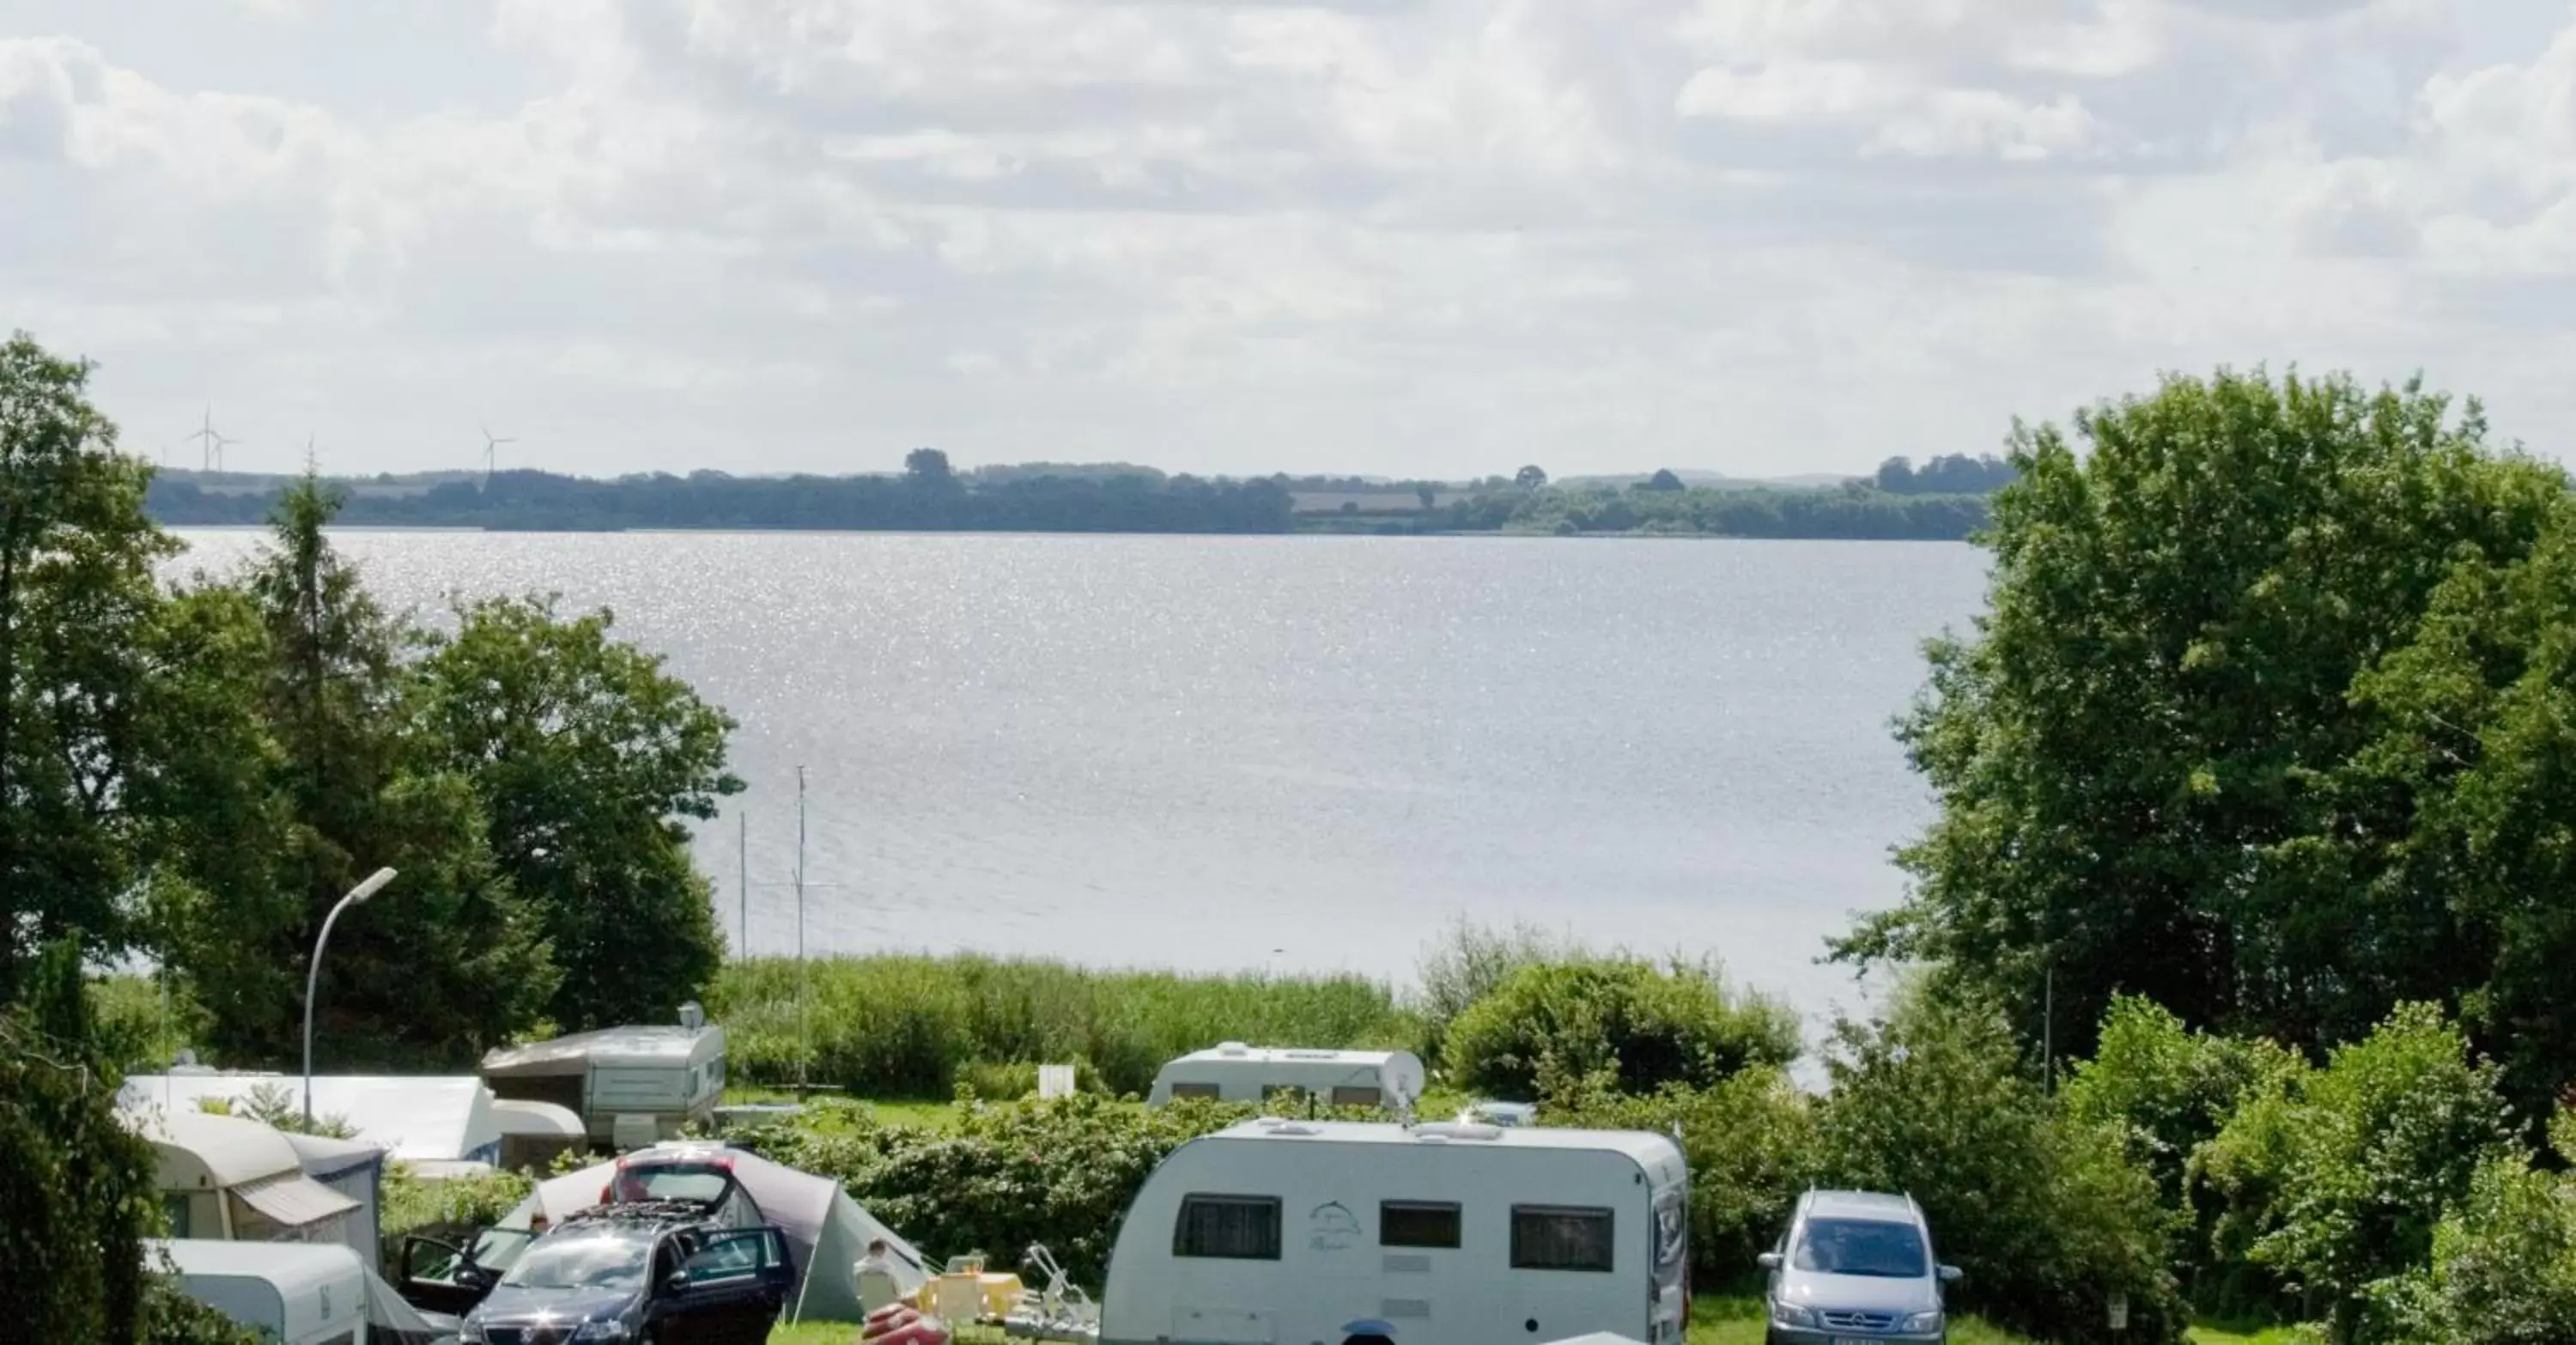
column 2166, row 1092
column 139, row 1029
column 442, row 1208
column 1468, row 963
column 2504, row 1262
column 167, row 1316
column 905, row 1026
column 2048, row 1216
column 2336, row 1178
column 76, row 1186
column 1750, row 1141
column 1646, row 1026
column 1059, row 1172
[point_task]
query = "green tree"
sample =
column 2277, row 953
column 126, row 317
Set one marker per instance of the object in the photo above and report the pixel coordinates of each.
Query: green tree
column 77, row 600
column 2477, row 751
column 2136, row 752
column 1663, row 479
column 1530, row 478
column 215, row 823
column 928, row 467
column 584, row 752
column 447, row 962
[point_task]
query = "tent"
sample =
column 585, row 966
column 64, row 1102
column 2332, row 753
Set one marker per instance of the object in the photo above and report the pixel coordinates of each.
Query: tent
column 354, row 1170
column 826, row 1230
column 225, row 1178
column 409, row 1117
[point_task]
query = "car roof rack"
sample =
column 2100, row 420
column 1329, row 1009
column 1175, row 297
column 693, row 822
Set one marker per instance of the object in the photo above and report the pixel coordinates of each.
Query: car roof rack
column 640, row 1211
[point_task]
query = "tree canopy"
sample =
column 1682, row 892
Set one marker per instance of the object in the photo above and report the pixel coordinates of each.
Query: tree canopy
column 2251, row 722
column 196, row 772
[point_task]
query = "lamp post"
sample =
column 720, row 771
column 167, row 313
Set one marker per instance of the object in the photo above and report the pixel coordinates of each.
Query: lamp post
column 313, row 976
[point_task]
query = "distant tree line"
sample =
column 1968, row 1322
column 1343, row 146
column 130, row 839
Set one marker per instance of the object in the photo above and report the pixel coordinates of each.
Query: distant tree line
column 1661, row 507
column 927, row 498
column 1950, row 474
column 932, row 497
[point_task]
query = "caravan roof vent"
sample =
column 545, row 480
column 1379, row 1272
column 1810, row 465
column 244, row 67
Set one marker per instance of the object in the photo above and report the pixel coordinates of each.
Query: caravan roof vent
column 1232, row 1048
column 692, row 1017
column 1443, row 1131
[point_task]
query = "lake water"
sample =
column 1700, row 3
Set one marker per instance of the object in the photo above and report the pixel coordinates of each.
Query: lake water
column 1299, row 753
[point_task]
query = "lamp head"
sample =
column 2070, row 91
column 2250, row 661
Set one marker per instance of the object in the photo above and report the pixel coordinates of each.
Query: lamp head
column 375, row 883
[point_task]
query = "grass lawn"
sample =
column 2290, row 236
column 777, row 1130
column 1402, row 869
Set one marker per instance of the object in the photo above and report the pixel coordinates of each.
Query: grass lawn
column 1716, row 1319
column 2235, row 1334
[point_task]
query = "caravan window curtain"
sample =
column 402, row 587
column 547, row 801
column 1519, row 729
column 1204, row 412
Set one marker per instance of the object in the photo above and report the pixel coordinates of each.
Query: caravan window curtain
column 1238, row 1228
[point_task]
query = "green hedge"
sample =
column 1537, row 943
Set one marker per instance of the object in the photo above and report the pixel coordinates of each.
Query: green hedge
column 1059, row 1172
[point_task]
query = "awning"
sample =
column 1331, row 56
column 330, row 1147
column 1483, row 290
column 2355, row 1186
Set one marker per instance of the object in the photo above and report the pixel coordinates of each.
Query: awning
column 293, row 1199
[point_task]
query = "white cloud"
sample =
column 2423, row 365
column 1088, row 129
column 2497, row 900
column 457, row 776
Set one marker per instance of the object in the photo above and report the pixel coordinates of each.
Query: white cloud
column 1421, row 236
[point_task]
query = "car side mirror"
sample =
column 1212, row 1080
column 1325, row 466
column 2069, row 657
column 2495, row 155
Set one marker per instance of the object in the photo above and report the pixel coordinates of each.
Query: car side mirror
column 475, row 1277
column 1952, row 1274
column 1768, row 1260
column 676, row 1283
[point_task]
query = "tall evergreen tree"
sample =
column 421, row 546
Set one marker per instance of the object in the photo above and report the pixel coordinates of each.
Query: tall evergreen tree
column 448, row 961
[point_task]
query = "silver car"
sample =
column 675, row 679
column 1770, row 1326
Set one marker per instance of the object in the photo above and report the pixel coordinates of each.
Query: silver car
column 1856, row 1268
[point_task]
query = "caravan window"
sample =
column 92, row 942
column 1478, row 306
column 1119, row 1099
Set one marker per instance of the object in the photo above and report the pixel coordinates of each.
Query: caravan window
column 1205, row 1090
column 1348, row 1095
column 1416, row 1223
column 1553, row 1237
column 1239, row 1228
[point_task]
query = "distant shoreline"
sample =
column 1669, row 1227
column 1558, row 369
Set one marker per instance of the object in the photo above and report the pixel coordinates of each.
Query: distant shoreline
column 1136, row 502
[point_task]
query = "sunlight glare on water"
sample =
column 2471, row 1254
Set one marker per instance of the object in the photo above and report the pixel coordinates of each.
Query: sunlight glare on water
column 1302, row 753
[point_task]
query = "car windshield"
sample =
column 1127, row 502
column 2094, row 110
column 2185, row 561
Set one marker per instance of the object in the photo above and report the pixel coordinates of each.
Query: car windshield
column 1861, row 1247
column 600, row 1261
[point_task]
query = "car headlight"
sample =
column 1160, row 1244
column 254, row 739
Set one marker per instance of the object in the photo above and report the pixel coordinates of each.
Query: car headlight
column 604, row 1329
column 1923, row 1323
column 1790, row 1314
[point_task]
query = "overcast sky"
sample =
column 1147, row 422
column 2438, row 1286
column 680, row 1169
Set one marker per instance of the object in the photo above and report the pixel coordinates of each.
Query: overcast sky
column 1406, row 237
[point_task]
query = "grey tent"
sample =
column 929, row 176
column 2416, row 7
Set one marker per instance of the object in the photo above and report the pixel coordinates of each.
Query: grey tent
column 826, row 1230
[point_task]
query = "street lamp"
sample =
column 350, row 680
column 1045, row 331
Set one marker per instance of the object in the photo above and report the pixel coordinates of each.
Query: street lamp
column 313, row 976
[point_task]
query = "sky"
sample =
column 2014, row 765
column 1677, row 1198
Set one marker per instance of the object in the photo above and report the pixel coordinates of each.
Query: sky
column 1394, row 237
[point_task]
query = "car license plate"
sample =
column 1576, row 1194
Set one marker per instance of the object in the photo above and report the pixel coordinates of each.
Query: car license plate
column 1858, row 1340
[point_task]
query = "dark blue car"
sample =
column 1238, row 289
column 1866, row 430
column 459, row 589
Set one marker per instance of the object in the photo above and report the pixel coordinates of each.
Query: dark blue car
column 616, row 1276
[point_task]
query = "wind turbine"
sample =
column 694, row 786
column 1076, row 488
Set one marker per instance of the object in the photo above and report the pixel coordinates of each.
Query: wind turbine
column 210, row 454
column 489, row 445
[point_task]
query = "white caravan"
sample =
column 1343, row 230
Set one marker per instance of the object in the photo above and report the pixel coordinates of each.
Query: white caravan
column 290, row 1292
column 1234, row 1072
column 1345, row 1233
column 631, row 1086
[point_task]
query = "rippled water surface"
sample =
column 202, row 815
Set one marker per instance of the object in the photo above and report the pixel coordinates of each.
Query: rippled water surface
column 1289, row 752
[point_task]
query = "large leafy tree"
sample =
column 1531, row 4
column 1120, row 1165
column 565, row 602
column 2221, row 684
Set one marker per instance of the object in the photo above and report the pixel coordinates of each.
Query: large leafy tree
column 448, row 961
column 585, row 754
column 2143, row 753
column 117, row 705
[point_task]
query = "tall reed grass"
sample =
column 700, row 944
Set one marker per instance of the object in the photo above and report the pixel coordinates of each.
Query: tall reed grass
column 911, row 1026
